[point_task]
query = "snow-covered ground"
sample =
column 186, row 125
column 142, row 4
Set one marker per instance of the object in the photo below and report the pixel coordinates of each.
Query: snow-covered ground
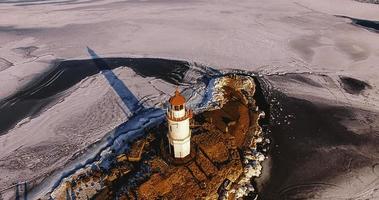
column 299, row 35
column 269, row 37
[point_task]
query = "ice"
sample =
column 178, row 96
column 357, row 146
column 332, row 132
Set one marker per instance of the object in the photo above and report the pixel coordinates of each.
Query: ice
column 272, row 38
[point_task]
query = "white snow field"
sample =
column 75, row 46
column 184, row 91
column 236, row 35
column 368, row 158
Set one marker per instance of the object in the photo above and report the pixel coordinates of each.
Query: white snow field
column 272, row 38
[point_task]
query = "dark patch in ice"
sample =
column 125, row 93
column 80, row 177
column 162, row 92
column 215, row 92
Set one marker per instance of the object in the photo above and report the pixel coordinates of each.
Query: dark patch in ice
column 310, row 146
column 25, row 51
column 303, row 79
column 18, row 31
column 352, row 85
column 32, row 99
column 171, row 71
column 369, row 1
column 226, row 12
column 367, row 24
column 5, row 64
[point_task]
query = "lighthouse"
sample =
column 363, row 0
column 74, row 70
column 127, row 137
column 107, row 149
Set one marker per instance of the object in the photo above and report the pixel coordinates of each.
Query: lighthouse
column 178, row 119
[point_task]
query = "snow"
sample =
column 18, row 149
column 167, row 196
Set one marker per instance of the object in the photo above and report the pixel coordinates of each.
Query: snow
column 251, row 34
column 268, row 37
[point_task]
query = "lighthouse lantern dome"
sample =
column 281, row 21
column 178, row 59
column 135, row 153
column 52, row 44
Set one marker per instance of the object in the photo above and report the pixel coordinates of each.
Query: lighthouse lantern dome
column 177, row 100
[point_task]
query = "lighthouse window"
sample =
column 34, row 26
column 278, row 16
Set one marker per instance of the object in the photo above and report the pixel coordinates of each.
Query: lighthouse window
column 181, row 107
column 177, row 108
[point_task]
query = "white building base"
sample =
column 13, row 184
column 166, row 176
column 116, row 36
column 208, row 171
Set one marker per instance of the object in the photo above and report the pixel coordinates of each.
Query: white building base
column 181, row 148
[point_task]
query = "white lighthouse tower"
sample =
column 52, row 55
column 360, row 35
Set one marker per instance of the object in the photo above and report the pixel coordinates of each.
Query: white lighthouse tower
column 179, row 133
